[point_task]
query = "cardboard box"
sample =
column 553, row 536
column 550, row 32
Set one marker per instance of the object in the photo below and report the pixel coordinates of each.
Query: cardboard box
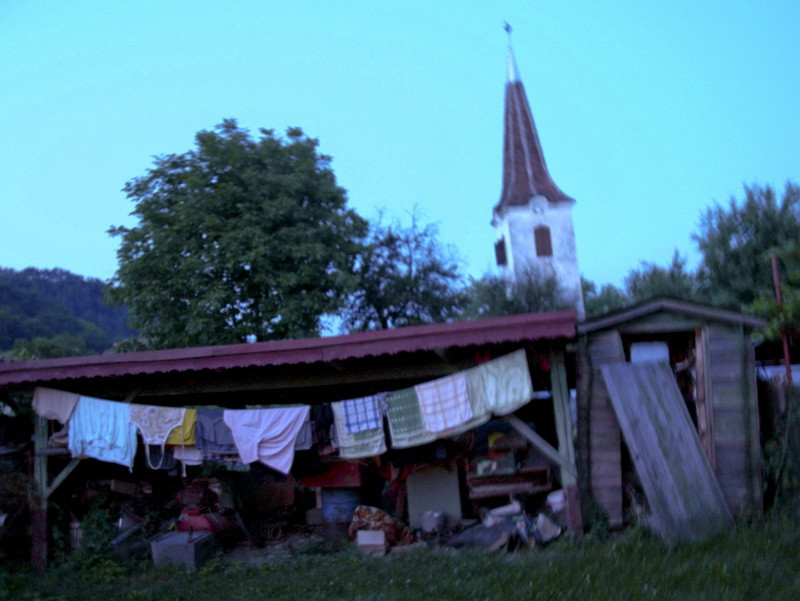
column 372, row 542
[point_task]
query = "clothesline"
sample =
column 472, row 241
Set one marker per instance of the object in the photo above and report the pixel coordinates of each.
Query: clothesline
column 107, row 430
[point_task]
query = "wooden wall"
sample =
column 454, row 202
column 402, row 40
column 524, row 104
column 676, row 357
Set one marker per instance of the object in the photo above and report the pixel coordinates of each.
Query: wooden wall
column 730, row 395
column 726, row 401
column 605, row 442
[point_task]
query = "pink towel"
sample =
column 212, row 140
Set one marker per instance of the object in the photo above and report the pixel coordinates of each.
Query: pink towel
column 54, row 404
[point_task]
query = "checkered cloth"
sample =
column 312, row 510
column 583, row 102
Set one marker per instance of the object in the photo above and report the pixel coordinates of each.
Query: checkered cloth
column 365, row 413
column 444, row 402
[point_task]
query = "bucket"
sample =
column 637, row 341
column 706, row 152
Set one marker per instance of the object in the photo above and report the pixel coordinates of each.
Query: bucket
column 556, row 501
column 338, row 504
column 431, row 521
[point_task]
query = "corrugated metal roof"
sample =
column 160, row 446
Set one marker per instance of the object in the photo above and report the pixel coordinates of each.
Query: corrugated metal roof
column 532, row 326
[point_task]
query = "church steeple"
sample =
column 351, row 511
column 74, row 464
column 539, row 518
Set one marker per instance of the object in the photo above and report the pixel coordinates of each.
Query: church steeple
column 533, row 219
column 525, row 173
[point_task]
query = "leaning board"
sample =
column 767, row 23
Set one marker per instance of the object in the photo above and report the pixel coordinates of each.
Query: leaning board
column 684, row 495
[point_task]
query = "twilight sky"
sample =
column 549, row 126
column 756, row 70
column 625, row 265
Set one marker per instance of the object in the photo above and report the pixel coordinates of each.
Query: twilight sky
column 647, row 112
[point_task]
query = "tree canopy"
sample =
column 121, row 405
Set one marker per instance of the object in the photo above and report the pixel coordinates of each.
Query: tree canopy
column 534, row 291
column 405, row 277
column 735, row 240
column 238, row 237
column 653, row 280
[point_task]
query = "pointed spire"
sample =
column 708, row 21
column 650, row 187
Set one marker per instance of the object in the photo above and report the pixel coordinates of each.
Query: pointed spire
column 511, row 65
column 525, row 172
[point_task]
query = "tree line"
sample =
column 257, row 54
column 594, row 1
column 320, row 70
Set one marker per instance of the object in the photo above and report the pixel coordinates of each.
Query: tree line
column 249, row 237
column 52, row 312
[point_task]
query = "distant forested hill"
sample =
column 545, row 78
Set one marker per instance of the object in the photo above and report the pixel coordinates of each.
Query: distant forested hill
column 36, row 303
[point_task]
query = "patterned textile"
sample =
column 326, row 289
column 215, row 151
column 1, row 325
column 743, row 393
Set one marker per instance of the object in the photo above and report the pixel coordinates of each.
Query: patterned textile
column 366, row 443
column 405, row 420
column 504, row 384
column 155, row 424
column 184, row 435
column 372, row 518
column 102, row 430
column 54, row 404
column 444, row 402
column 364, row 413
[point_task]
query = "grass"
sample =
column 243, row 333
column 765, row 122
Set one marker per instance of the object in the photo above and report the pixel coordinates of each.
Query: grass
column 749, row 563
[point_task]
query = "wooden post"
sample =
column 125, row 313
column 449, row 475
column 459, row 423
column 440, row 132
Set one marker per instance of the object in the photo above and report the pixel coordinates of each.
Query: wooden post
column 566, row 447
column 39, row 497
column 42, row 492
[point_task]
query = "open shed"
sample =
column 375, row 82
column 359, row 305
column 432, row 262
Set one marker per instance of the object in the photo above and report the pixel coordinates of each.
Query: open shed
column 710, row 356
column 313, row 372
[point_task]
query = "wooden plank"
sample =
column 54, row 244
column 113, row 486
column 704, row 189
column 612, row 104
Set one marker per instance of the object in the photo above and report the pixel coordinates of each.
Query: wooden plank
column 59, row 479
column 542, row 445
column 563, row 419
column 683, row 493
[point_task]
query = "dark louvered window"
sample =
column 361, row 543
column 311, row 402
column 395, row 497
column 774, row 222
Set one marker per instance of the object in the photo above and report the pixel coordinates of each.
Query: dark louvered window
column 500, row 252
column 541, row 237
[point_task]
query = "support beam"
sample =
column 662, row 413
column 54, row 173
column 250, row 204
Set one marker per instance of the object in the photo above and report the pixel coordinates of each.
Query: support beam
column 62, row 475
column 544, row 447
column 566, row 446
column 560, row 388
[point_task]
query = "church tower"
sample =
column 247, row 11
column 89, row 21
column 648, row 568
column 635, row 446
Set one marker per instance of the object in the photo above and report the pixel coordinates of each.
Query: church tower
column 533, row 219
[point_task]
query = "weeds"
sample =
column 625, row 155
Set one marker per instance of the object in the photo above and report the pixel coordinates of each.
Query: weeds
column 750, row 563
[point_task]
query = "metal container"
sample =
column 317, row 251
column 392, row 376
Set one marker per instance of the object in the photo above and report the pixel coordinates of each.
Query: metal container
column 189, row 549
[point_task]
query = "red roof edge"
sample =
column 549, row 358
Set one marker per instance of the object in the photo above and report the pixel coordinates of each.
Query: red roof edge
column 531, row 326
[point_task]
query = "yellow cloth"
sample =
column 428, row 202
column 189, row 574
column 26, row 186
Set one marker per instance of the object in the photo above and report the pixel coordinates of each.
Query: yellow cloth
column 183, row 435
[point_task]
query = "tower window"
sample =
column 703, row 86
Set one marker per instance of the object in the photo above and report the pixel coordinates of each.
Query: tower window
column 541, row 238
column 500, row 252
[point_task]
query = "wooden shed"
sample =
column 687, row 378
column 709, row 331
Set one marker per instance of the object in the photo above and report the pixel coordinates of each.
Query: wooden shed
column 711, row 357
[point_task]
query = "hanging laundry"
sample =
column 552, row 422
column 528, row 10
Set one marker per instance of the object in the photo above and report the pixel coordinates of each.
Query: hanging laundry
column 184, row 434
column 364, row 413
column 54, row 404
column 444, row 402
column 504, row 383
column 102, row 430
column 304, row 440
column 187, row 455
column 267, row 435
column 155, row 424
column 212, row 435
column 366, row 443
column 477, row 403
column 406, row 427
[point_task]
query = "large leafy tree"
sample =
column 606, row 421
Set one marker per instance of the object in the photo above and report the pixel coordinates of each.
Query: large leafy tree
column 735, row 239
column 651, row 280
column 607, row 298
column 406, row 277
column 530, row 292
column 786, row 317
column 239, row 237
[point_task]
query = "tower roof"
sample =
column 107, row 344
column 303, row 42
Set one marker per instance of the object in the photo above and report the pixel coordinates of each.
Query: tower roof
column 525, row 172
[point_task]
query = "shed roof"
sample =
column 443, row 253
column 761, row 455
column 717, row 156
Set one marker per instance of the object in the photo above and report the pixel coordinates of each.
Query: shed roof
column 670, row 305
column 499, row 330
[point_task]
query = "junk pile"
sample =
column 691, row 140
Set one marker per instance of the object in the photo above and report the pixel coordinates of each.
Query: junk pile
column 510, row 528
